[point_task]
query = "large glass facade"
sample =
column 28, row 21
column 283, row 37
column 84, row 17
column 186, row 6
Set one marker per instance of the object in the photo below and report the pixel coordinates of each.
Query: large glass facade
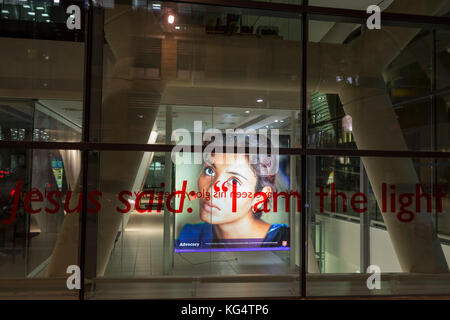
column 155, row 149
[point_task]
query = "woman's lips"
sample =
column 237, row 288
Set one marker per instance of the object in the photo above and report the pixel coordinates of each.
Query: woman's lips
column 208, row 206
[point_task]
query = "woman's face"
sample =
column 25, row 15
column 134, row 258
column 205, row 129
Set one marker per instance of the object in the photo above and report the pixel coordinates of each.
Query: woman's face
column 221, row 171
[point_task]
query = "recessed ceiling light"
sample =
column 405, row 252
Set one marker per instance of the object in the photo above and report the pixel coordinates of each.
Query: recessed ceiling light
column 259, row 100
column 45, row 14
column 40, row 8
column 247, row 111
column 30, row 13
column 26, row 6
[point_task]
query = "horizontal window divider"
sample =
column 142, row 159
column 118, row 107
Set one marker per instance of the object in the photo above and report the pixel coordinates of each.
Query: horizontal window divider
column 105, row 146
column 377, row 153
column 396, row 18
column 204, row 279
column 241, row 4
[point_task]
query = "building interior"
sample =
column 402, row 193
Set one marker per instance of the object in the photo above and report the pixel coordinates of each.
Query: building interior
column 227, row 68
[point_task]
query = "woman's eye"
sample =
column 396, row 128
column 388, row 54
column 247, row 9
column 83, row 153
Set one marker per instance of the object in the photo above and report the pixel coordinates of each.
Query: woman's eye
column 234, row 180
column 209, row 171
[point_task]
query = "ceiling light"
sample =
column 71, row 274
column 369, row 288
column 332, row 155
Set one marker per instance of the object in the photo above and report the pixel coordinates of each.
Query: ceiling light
column 40, row 8
column 26, row 6
column 45, row 14
column 247, row 111
column 259, row 100
column 5, row 11
column 30, row 13
column 171, row 19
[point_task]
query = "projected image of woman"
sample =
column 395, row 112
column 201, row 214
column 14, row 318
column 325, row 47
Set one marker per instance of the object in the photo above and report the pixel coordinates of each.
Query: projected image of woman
column 242, row 225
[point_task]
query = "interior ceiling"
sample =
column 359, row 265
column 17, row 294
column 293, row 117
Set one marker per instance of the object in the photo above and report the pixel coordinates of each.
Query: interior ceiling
column 224, row 118
column 70, row 110
column 184, row 116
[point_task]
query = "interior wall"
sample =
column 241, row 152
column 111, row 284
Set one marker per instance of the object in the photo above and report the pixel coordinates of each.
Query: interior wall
column 341, row 247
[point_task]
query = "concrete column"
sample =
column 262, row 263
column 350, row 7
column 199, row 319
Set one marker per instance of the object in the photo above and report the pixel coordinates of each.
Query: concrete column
column 130, row 106
column 375, row 127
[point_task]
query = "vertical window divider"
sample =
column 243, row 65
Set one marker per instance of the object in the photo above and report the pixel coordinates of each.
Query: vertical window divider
column 434, row 122
column 85, row 139
column 303, row 236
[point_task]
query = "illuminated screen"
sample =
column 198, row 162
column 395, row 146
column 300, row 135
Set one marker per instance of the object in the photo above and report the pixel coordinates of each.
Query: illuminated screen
column 57, row 168
column 232, row 204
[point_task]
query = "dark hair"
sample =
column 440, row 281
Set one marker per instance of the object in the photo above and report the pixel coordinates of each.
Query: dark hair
column 262, row 165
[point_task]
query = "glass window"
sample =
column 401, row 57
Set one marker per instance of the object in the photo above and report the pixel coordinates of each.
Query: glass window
column 377, row 215
column 40, row 203
column 194, row 163
column 219, row 218
column 368, row 94
column 229, row 68
column 41, row 78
